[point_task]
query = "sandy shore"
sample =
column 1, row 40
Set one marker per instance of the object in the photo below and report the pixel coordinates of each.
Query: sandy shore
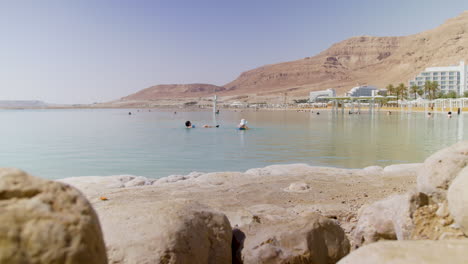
column 278, row 191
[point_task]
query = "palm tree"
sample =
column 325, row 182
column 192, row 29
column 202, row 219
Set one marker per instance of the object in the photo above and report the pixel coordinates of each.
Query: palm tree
column 434, row 88
column 391, row 89
column 428, row 89
column 420, row 92
column 431, row 89
column 402, row 91
column 414, row 89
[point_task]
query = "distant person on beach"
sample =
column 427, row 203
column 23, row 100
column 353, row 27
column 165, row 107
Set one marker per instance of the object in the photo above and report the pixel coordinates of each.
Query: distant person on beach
column 188, row 124
column 449, row 114
column 243, row 124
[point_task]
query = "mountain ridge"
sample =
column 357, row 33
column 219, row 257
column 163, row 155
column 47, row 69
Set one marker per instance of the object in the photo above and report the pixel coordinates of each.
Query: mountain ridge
column 357, row 60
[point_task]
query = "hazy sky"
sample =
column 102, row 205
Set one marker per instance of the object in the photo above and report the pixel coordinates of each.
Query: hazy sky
column 84, row 51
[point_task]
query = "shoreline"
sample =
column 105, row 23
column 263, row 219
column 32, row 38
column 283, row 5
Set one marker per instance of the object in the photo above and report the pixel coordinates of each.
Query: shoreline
column 275, row 214
column 208, row 109
column 272, row 192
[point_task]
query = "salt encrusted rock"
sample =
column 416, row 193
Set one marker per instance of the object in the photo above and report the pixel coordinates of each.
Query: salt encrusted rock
column 402, row 170
column 390, row 218
column 373, row 169
column 43, row 221
column 139, row 181
column 440, row 169
column 457, row 197
column 175, row 231
column 410, row 252
column 298, row 187
column 310, row 239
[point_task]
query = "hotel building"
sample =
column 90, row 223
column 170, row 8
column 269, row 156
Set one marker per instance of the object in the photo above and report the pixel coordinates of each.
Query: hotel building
column 451, row 78
column 325, row 93
column 362, row 91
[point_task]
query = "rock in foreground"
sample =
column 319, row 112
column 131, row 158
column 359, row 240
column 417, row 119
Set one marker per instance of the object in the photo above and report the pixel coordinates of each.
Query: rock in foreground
column 173, row 231
column 441, row 168
column 458, row 200
column 311, row 239
column 46, row 222
column 388, row 219
column 410, row 252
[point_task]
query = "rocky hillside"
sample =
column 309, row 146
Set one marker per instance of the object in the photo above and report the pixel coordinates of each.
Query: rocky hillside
column 175, row 90
column 358, row 60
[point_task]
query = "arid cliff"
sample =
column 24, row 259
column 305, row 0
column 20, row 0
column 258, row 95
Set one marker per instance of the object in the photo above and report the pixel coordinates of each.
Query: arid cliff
column 359, row 60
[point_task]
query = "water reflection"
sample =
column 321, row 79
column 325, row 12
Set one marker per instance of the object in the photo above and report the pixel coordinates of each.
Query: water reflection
column 66, row 143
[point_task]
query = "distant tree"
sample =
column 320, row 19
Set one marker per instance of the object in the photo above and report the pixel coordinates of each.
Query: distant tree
column 391, row 89
column 439, row 95
column 451, row 94
column 431, row 89
column 420, row 92
column 415, row 90
column 402, row 91
column 301, row 101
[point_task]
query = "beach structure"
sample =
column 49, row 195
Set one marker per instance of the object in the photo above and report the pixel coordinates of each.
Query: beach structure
column 313, row 96
column 450, row 78
column 362, row 91
column 215, row 100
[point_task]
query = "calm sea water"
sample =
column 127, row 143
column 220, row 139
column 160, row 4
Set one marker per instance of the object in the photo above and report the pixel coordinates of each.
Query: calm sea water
column 63, row 143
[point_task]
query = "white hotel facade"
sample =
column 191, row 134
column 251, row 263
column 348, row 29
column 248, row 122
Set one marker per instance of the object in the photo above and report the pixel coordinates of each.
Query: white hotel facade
column 451, row 78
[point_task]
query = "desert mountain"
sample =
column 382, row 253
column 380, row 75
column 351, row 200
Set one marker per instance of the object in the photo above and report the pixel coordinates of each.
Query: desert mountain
column 175, row 90
column 369, row 60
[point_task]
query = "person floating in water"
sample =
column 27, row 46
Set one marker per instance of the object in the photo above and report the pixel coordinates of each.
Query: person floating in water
column 243, row 125
column 429, row 114
column 449, row 114
column 389, row 113
column 188, row 124
column 318, row 113
column 129, row 113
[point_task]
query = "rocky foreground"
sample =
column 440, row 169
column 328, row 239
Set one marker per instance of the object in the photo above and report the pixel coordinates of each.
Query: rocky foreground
column 409, row 213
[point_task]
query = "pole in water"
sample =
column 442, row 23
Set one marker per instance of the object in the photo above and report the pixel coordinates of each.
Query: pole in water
column 214, row 103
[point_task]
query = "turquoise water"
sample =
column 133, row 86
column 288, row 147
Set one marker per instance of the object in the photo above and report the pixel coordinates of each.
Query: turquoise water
column 63, row 143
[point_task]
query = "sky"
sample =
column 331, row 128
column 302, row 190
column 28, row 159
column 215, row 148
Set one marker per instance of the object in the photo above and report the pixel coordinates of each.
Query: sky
column 85, row 51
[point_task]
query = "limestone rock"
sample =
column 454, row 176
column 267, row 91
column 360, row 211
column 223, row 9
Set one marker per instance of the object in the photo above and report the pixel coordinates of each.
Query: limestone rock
column 388, row 219
column 432, row 222
column 410, row 252
column 440, row 169
column 139, row 181
column 43, row 221
column 458, row 200
column 311, row 239
column 374, row 169
column 402, row 169
column 174, row 231
column 298, row 187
